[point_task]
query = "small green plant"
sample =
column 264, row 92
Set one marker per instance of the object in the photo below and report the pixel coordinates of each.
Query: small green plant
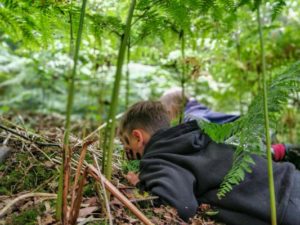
column 22, row 174
column 27, row 217
column 131, row 165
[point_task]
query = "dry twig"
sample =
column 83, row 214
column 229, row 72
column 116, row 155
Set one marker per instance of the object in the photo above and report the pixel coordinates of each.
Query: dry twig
column 28, row 195
column 99, row 128
column 104, row 192
column 114, row 191
column 27, row 138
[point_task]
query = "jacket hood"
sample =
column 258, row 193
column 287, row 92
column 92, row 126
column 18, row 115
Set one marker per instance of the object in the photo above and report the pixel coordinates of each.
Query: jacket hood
column 181, row 135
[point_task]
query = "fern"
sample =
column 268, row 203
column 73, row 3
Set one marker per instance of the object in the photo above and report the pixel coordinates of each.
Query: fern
column 99, row 23
column 248, row 130
column 277, row 8
column 34, row 24
column 9, row 22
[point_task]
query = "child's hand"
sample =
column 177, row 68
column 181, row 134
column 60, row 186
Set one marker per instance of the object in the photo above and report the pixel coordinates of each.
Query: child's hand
column 132, row 178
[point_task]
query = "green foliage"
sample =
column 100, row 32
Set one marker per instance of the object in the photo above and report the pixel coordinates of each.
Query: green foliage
column 89, row 189
column 21, row 174
column 24, row 23
column 248, row 130
column 107, row 23
column 130, row 165
column 26, row 218
column 277, row 8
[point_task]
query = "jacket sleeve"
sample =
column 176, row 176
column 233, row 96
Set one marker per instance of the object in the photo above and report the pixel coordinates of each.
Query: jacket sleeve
column 173, row 184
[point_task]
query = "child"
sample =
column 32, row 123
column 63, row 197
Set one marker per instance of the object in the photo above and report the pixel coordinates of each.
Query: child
column 184, row 167
column 173, row 102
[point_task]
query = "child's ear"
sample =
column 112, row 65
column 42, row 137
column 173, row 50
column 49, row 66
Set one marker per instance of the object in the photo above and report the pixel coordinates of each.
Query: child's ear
column 137, row 134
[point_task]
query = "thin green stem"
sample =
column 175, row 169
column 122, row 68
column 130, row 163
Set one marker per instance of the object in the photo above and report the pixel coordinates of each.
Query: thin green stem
column 268, row 139
column 240, row 73
column 111, row 122
column 62, row 189
column 73, row 74
column 183, row 75
column 71, row 53
column 128, row 75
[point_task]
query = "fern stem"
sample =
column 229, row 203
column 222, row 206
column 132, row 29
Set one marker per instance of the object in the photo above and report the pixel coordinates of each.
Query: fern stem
column 127, row 75
column 63, row 185
column 183, row 72
column 59, row 202
column 71, row 34
column 111, row 121
column 266, row 119
column 240, row 73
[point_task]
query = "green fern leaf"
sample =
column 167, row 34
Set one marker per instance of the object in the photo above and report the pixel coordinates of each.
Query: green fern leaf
column 248, row 131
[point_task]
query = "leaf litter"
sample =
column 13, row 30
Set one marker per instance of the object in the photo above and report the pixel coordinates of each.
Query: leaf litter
column 31, row 168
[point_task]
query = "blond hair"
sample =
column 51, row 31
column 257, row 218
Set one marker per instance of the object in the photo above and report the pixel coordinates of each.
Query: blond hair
column 174, row 101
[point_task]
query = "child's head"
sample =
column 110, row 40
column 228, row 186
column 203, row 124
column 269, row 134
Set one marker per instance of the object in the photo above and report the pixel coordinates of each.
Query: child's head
column 173, row 101
column 139, row 123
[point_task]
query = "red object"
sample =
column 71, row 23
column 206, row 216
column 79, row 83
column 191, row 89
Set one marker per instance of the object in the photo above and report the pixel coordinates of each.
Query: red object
column 279, row 151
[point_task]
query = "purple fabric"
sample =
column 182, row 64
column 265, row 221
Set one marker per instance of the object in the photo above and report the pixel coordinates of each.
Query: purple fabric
column 195, row 110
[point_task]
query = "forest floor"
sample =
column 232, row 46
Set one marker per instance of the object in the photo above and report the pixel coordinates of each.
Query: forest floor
column 29, row 177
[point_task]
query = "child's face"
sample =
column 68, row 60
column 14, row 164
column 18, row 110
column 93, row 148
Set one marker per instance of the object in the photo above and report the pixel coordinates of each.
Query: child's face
column 133, row 144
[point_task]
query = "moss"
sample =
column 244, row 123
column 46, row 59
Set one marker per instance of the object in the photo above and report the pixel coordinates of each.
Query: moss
column 88, row 189
column 4, row 191
column 26, row 218
column 21, row 173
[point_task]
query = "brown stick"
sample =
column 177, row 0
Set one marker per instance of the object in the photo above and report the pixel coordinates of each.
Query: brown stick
column 28, row 195
column 114, row 191
column 74, row 212
column 100, row 128
column 66, row 183
column 28, row 138
column 104, row 193
column 78, row 171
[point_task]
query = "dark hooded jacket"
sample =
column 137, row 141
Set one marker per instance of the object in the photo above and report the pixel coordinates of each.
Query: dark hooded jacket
column 184, row 167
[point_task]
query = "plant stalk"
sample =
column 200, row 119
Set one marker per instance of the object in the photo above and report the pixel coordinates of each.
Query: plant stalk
column 111, row 121
column 267, row 126
column 127, row 75
column 65, row 169
column 183, row 77
column 60, row 182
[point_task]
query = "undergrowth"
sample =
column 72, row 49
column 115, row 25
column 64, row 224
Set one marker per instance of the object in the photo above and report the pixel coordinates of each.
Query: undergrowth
column 22, row 172
column 28, row 217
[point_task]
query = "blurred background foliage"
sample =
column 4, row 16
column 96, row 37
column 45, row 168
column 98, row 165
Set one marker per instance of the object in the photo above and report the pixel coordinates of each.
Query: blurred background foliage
column 221, row 54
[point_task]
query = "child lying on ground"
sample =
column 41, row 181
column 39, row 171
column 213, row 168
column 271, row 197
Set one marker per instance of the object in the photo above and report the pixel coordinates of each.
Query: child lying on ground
column 184, row 167
column 173, row 101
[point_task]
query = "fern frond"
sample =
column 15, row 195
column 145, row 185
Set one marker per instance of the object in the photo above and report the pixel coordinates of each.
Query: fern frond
column 277, row 8
column 248, row 131
column 177, row 12
column 35, row 23
column 8, row 21
column 107, row 23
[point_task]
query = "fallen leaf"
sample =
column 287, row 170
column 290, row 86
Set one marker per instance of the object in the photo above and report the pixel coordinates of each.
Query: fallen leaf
column 84, row 212
column 90, row 201
column 48, row 219
column 49, row 164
